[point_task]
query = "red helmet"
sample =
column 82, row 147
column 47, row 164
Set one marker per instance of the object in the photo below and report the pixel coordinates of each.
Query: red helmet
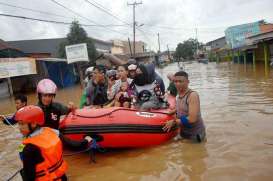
column 30, row 114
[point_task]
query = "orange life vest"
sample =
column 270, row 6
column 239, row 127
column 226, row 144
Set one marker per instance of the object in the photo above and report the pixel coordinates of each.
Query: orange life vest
column 53, row 166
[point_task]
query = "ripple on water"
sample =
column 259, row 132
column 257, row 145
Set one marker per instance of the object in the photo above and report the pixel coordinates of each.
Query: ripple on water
column 237, row 106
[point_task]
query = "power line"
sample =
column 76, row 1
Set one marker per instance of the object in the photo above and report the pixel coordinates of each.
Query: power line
column 70, row 10
column 107, row 11
column 50, row 21
column 100, row 7
column 33, row 10
column 189, row 28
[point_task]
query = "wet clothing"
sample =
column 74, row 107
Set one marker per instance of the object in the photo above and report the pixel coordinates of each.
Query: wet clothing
column 43, row 159
column 197, row 130
column 31, row 155
column 96, row 94
column 53, row 112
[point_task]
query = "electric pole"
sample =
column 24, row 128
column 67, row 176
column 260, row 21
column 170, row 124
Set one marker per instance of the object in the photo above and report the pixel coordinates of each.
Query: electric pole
column 196, row 42
column 158, row 39
column 134, row 25
column 169, row 56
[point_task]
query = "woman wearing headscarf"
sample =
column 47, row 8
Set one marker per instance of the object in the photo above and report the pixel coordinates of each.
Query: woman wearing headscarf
column 147, row 91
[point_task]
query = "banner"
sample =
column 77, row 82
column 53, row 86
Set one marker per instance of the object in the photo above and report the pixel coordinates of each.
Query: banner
column 76, row 53
column 11, row 67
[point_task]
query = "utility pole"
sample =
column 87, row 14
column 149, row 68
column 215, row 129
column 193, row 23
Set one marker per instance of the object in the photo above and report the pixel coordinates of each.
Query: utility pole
column 158, row 39
column 196, row 42
column 134, row 24
column 169, row 56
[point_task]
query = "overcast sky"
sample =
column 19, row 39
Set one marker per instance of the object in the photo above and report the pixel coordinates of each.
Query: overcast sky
column 174, row 20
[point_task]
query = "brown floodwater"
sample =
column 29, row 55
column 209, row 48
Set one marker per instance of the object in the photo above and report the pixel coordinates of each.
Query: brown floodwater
column 237, row 106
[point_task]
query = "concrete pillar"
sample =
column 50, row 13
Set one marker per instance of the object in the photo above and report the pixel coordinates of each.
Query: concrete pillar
column 254, row 58
column 10, row 87
column 238, row 56
column 266, row 61
column 245, row 57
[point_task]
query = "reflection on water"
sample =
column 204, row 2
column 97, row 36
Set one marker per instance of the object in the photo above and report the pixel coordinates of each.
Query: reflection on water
column 237, row 106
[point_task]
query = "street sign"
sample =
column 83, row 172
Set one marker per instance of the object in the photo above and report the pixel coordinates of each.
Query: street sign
column 76, row 53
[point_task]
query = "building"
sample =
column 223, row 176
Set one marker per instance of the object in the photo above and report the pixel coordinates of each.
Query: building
column 260, row 48
column 124, row 47
column 216, row 44
column 236, row 35
column 238, row 45
column 216, row 49
column 45, row 48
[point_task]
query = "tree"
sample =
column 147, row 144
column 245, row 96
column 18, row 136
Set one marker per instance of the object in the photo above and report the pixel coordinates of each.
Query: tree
column 187, row 49
column 78, row 35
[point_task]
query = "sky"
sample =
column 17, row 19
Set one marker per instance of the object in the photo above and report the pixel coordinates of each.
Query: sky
column 174, row 20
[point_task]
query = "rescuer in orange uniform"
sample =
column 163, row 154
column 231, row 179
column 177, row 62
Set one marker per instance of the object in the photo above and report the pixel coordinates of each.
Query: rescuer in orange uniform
column 41, row 150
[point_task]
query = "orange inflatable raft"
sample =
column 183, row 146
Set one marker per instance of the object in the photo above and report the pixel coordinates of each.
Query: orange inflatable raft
column 118, row 127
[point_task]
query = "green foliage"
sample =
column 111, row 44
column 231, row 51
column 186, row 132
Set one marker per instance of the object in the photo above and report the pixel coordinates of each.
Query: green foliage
column 78, row 35
column 187, row 49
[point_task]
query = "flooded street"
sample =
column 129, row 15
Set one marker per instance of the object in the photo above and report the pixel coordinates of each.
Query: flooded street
column 237, row 106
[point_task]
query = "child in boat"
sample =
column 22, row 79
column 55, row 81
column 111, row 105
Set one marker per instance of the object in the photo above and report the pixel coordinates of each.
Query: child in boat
column 124, row 96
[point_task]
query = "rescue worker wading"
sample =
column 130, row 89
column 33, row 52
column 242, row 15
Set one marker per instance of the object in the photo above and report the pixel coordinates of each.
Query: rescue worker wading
column 41, row 150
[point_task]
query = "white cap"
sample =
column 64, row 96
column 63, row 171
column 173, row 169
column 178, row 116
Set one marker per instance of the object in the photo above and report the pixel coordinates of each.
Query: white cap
column 89, row 70
column 132, row 67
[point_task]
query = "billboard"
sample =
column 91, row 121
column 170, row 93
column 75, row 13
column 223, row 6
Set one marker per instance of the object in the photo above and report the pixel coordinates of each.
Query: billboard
column 76, row 53
column 11, row 67
column 236, row 35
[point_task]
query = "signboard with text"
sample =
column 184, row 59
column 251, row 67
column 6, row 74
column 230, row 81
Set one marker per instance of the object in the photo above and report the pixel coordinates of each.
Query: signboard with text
column 76, row 53
column 11, row 67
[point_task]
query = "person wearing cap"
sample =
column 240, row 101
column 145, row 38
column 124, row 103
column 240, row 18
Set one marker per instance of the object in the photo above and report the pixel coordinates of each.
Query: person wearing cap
column 41, row 150
column 132, row 71
column 46, row 90
column 87, row 81
column 89, row 75
column 42, row 159
column 96, row 93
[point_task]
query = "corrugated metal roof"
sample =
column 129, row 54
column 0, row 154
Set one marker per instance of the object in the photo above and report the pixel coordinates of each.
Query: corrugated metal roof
column 51, row 45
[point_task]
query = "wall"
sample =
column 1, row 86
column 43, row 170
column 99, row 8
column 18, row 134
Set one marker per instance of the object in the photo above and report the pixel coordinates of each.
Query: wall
column 116, row 50
column 236, row 35
column 138, row 47
column 266, row 28
column 218, row 43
